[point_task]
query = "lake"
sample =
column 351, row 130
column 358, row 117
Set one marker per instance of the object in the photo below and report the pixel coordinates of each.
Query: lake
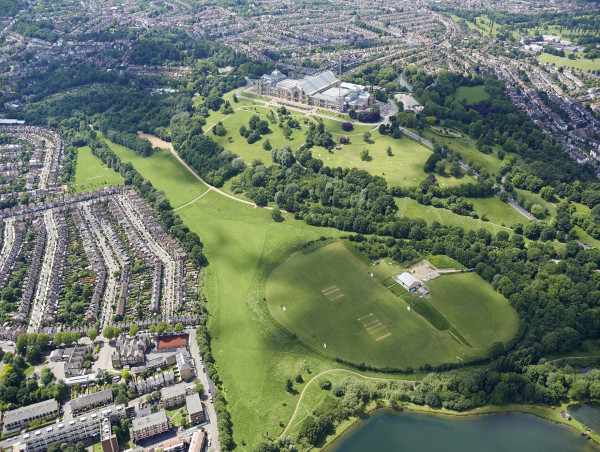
column 588, row 415
column 409, row 431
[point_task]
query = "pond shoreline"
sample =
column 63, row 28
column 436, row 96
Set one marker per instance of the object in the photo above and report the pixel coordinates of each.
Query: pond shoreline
column 539, row 411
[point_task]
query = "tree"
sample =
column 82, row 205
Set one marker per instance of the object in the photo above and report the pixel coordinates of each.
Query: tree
column 92, row 334
column 133, row 330
column 289, row 386
column 126, row 375
column 367, row 137
column 179, row 327
column 109, row 332
column 352, row 114
column 161, row 327
column 347, row 126
column 47, row 376
column 267, row 145
column 276, row 214
column 364, row 155
column 199, row 388
column 389, row 151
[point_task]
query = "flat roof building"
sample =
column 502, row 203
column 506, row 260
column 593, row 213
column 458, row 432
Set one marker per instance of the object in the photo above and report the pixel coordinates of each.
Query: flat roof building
column 195, row 408
column 153, row 424
column 173, row 395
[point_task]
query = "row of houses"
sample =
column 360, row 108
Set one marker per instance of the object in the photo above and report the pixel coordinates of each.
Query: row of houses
column 120, row 252
column 142, row 250
column 95, row 260
column 58, row 270
column 28, row 288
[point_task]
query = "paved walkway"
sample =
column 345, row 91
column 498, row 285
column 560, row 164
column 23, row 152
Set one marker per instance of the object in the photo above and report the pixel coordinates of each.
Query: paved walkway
column 413, row 382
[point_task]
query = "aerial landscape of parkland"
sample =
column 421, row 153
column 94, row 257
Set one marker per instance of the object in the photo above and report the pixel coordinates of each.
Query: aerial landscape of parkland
column 299, row 225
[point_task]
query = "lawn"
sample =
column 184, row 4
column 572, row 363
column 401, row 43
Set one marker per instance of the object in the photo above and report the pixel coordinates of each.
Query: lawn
column 497, row 211
column 480, row 314
column 472, row 94
column 410, row 208
column 91, row 173
column 583, row 64
column 164, row 171
column 330, row 299
column 404, row 167
column 527, row 199
column 335, row 127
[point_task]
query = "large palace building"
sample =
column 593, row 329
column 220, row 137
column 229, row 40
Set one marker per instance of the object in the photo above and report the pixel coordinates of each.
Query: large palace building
column 322, row 90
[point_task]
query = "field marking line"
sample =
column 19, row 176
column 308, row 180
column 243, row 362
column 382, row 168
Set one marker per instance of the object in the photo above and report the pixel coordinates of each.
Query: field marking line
column 413, row 382
column 365, row 316
column 383, row 337
column 366, row 325
column 328, row 288
column 335, row 298
column 329, row 292
column 193, row 200
column 377, row 325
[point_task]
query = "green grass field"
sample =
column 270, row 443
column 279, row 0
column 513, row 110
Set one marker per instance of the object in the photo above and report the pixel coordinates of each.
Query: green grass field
column 91, row 173
column 472, row 94
column 329, row 298
column 497, row 211
column 583, row 64
column 470, row 304
column 410, row 208
column 164, row 171
column 403, row 168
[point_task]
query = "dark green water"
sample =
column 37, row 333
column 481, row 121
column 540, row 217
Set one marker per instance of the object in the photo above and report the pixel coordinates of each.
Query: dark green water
column 510, row 432
column 589, row 415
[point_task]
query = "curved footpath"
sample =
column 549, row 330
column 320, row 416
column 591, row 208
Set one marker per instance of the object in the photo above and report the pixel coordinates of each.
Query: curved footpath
column 413, row 382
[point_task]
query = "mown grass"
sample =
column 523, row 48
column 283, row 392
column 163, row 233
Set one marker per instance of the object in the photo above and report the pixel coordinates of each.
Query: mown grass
column 164, row 171
column 469, row 303
column 330, row 298
column 472, row 94
column 443, row 261
column 91, row 173
column 467, row 150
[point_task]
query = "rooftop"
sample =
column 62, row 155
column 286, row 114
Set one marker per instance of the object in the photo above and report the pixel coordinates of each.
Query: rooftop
column 148, row 421
column 193, row 403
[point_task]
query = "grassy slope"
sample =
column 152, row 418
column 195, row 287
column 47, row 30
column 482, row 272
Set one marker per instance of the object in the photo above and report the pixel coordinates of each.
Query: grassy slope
column 91, row 173
column 254, row 355
column 467, row 150
column 497, row 211
column 165, row 173
column 404, row 167
column 410, row 208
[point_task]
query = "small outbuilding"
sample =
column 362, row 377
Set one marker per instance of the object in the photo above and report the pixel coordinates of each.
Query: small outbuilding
column 408, row 281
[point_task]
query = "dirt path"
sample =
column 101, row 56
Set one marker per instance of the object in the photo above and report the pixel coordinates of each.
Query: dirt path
column 413, row 382
column 157, row 142
column 574, row 357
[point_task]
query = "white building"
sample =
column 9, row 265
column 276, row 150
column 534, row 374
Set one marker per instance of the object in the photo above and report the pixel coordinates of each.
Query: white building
column 408, row 281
